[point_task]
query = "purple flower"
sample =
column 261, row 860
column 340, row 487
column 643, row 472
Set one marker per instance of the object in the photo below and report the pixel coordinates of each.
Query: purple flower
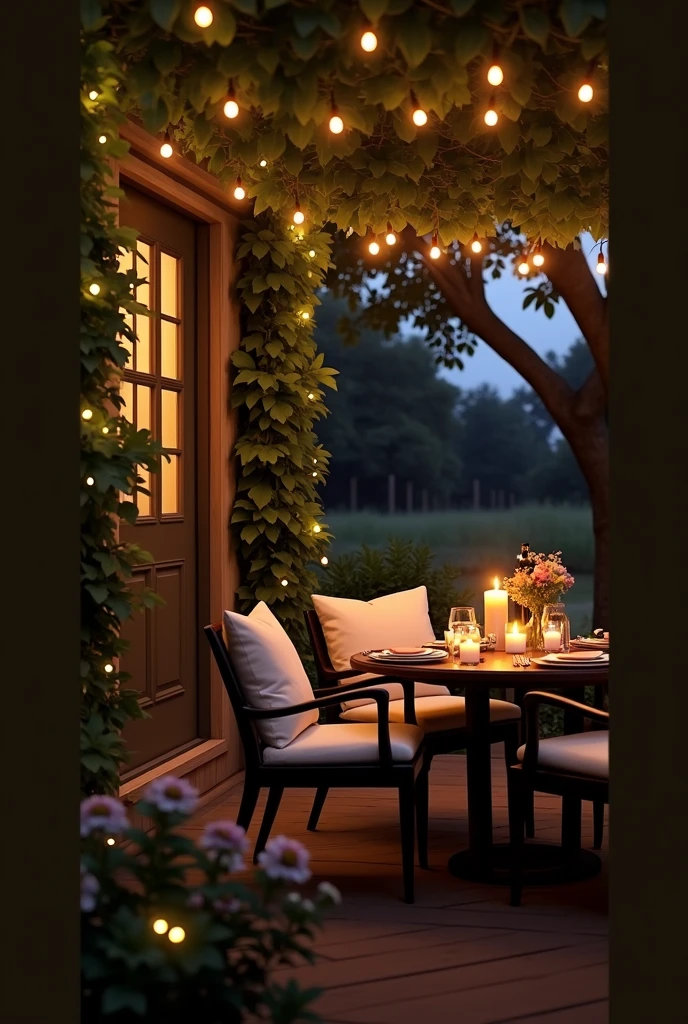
column 89, row 887
column 171, row 795
column 226, row 842
column 103, row 814
column 227, row 905
column 285, row 858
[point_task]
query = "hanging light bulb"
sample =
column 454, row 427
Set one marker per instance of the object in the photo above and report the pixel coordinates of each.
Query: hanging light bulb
column 231, row 107
column 109, row 668
column 524, row 267
column 586, row 92
column 373, row 247
column 305, row 315
column 94, row 289
column 311, row 396
column 495, row 75
column 285, row 583
column 601, row 267
column 176, row 934
column 435, row 251
column 324, row 560
column 317, row 528
column 418, row 115
column 166, row 149
column 311, row 253
column 90, row 481
column 239, row 190
column 314, row 474
column 87, row 414
column 538, row 257
column 93, row 95
column 263, row 163
column 203, row 17
column 160, row 926
column 102, row 139
column 491, row 115
column 369, row 41
column 390, row 237
column 299, row 216
column 336, row 123
column 476, row 244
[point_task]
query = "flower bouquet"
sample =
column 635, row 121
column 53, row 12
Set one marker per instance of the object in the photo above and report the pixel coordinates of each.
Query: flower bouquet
column 169, row 934
column 539, row 584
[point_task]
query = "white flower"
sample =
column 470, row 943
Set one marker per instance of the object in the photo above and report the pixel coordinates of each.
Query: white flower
column 308, row 905
column 293, row 897
column 171, row 795
column 330, row 892
column 285, row 858
column 103, row 814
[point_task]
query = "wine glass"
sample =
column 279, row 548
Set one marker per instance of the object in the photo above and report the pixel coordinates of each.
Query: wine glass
column 462, row 614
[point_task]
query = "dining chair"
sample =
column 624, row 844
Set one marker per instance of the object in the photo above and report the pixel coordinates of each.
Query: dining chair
column 383, row 755
column 574, row 766
column 441, row 716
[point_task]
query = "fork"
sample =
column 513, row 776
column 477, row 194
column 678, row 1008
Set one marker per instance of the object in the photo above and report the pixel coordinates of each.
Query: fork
column 520, row 661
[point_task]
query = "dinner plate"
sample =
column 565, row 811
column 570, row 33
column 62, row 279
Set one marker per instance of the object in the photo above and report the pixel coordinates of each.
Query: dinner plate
column 551, row 661
column 429, row 656
column 579, row 656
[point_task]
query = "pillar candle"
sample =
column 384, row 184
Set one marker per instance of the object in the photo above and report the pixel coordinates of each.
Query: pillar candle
column 515, row 640
column 469, row 652
column 552, row 638
column 496, row 613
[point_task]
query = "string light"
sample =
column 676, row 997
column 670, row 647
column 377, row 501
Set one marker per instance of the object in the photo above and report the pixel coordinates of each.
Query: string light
column 336, row 123
column 231, row 107
column 435, row 251
column 166, row 149
column 601, row 267
column 491, row 115
column 239, row 190
column 373, row 247
column 538, row 257
column 369, row 41
column 418, row 116
column 316, row 528
column 109, row 668
column 176, row 934
column 263, row 163
column 390, row 237
column 524, row 267
column 299, row 216
column 94, row 288
column 87, row 414
column 476, row 244
column 93, row 95
column 90, row 481
column 305, row 315
column 314, row 474
column 324, row 560
column 495, row 75
column 311, row 396
column 110, row 841
column 160, row 926
column 285, row 583
column 315, row 462
column 106, row 430
column 586, row 92
column 102, row 139
column 203, row 17
column 311, row 253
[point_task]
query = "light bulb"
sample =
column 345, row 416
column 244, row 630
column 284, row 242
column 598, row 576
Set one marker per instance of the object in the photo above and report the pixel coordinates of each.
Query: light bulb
column 160, row 926
column 203, row 17
column 94, row 289
column 491, row 117
column 315, row 462
column 311, row 253
column 419, row 117
column 585, row 93
column 109, row 668
column 373, row 248
column 435, row 251
column 239, row 191
column 476, row 244
column 601, row 267
column 263, row 163
column 524, row 268
column 314, row 474
column 102, row 139
column 285, row 583
column 390, row 237
column 176, row 934
column 495, row 75
column 305, row 315
column 110, row 841
column 231, row 108
column 93, row 95
column 90, row 481
column 166, row 150
column 87, row 414
column 106, row 430
column 324, row 560
column 311, row 396
column 299, row 216
column 538, row 259
column 336, row 124
column 369, row 41
column 317, row 528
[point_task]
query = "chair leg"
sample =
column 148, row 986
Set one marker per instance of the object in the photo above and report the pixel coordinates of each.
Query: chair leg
column 407, row 825
column 597, row 824
column 510, row 749
column 249, row 799
column 422, row 810
column 271, row 808
column 320, row 797
column 518, row 800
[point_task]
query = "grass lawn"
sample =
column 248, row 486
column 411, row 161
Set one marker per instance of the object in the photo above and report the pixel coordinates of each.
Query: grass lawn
column 485, row 543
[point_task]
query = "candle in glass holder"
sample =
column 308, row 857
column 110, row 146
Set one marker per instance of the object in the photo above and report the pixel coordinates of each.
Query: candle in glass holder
column 450, row 639
column 469, row 652
column 515, row 640
column 552, row 638
column 496, row 613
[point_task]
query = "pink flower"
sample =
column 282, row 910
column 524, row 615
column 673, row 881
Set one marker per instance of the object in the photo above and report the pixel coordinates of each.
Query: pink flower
column 226, row 842
column 89, row 887
column 171, row 795
column 287, row 859
column 103, row 814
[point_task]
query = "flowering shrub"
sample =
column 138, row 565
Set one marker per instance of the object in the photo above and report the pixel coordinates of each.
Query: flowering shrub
column 168, row 933
column 541, row 583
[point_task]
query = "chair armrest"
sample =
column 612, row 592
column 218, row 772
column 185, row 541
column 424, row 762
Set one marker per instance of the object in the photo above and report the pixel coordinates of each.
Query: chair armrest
column 408, row 686
column 531, row 704
column 381, row 698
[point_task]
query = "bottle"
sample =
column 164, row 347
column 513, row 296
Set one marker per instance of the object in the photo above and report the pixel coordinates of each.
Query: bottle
column 524, row 561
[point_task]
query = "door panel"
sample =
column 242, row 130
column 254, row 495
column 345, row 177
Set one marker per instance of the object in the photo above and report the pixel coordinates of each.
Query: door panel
column 159, row 389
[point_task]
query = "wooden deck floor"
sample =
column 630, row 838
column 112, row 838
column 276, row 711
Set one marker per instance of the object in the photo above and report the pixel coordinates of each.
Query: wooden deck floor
column 460, row 954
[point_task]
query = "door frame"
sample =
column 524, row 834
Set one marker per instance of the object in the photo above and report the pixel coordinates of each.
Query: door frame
column 192, row 190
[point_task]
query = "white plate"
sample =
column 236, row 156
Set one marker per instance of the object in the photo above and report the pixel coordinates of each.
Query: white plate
column 579, row 656
column 401, row 658
column 550, row 662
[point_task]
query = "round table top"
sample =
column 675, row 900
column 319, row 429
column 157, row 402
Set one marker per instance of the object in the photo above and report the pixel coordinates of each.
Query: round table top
column 496, row 669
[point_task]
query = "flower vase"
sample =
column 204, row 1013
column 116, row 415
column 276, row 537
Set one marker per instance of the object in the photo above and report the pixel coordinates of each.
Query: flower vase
column 535, row 638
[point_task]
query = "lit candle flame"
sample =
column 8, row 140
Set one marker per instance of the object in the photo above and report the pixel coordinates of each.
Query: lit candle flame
column 496, row 583
column 514, row 631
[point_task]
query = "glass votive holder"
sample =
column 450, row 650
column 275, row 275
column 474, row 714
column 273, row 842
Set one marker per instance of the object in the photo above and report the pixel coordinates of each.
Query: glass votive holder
column 551, row 638
column 514, row 639
column 469, row 651
column 451, row 640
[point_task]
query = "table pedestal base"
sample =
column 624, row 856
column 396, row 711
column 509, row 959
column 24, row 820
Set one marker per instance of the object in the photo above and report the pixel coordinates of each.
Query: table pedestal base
column 543, row 864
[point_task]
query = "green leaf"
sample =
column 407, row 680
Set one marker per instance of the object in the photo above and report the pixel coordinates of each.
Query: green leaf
column 261, row 494
column 470, row 40
column 461, row 7
column 575, row 17
column 117, row 998
column 508, row 134
column 536, row 24
column 373, row 9
column 165, row 12
column 414, row 40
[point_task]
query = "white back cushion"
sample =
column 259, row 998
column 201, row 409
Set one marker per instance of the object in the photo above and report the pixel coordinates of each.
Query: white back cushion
column 269, row 671
column 397, row 620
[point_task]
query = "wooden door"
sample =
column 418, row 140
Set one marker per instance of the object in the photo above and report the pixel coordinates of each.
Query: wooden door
column 160, row 392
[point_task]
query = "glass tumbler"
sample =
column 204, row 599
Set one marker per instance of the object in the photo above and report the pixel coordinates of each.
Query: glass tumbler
column 554, row 617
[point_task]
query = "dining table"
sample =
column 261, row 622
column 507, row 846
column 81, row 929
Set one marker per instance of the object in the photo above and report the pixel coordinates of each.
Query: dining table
column 483, row 859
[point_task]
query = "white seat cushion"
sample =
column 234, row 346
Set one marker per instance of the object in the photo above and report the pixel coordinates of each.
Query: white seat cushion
column 434, row 714
column 584, row 753
column 345, row 744
column 400, row 620
column 269, row 672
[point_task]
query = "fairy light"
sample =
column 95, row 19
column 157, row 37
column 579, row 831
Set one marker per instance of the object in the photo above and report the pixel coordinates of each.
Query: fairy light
column 336, row 123
column 418, row 115
column 87, row 414
column 314, row 474
column 263, row 163
column 374, row 247
column 299, row 216
column 538, row 257
column 285, row 583
column 239, row 190
column 102, row 139
column 435, row 251
column 390, row 237
column 231, row 107
column 110, row 841
column 586, row 92
column 90, row 481
column 203, row 17
column 94, row 288
column 369, row 41
column 317, row 528
column 324, row 560
column 315, row 462
column 601, row 267
column 160, row 926
column 109, row 668
column 305, row 315
column 93, row 95
column 106, row 430
column 166, row 150
column 176, row 934
column 311, row 253
column 476, row 244
column 491, row 115
column 524, row 267
column 495, row 75
column 311, row 396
